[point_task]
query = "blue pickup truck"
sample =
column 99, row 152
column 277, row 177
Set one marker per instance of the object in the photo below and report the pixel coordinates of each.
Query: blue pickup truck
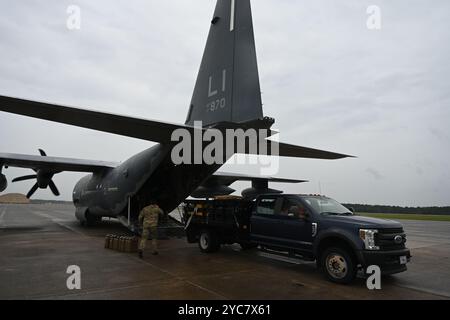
column 309, row 227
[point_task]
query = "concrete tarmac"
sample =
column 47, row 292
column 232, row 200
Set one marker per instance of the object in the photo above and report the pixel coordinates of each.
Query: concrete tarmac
column 39, row 242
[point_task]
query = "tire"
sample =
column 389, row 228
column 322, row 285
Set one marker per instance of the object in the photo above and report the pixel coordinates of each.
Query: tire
column 338, row 265
column 208, row 241
column 91, row 220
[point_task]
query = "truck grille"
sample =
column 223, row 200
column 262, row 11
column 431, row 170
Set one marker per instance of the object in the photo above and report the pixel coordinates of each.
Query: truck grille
column 386, row 239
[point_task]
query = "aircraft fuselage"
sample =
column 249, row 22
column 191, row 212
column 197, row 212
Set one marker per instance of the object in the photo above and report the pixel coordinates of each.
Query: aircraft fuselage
column 148, row 175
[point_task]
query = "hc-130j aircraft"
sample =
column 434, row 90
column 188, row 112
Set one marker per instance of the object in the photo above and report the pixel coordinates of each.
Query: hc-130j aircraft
column 228, row 74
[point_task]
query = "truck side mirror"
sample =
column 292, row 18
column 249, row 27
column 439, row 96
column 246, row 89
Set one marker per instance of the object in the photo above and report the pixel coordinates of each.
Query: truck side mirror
column 351, row 209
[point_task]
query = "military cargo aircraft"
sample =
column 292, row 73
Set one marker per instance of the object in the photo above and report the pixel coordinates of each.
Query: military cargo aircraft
column 226, row 95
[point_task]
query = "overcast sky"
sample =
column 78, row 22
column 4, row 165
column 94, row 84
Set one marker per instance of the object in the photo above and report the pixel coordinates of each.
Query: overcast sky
column 330, row 82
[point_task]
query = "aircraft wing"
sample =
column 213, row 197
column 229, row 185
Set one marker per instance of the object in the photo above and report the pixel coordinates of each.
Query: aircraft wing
column 150, row 130
column 224, row 178
column 53, row 164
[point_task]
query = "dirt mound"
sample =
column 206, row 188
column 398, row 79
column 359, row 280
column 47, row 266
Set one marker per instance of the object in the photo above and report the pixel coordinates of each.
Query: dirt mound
column 14, row 198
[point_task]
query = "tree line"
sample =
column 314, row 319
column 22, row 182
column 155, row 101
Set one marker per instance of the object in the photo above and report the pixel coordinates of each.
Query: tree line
column 368, row 208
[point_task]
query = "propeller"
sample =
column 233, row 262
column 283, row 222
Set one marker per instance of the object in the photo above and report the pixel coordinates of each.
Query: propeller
column 32, row 190
column 32, row 176
column 43, row 179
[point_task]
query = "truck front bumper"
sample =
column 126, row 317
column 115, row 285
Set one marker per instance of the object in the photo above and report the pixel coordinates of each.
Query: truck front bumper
column 390, row 262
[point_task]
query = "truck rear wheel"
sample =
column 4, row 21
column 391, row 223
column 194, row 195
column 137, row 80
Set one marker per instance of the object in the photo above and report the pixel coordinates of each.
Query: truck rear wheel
column 208, row 241
column 338, row 265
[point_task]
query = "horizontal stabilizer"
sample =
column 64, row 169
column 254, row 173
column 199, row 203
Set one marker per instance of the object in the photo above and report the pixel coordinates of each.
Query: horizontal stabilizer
column 134, row 127
column 290, row 150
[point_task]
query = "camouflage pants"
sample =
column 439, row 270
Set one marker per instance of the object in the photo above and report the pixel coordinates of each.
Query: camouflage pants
column 146, row 231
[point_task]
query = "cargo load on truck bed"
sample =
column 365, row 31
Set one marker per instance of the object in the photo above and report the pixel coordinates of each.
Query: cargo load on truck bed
column 227, row 217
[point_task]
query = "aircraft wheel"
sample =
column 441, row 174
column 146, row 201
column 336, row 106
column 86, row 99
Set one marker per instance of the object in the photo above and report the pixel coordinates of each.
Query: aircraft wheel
column 91, row 220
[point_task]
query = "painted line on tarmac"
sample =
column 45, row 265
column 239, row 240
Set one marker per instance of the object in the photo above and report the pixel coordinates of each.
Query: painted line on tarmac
column 58, row 221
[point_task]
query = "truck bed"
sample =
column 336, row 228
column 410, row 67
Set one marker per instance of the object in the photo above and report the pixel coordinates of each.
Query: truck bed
column 228, row 216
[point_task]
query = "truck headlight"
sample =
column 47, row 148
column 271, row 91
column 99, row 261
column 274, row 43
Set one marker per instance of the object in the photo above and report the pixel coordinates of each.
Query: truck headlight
column 368, row 236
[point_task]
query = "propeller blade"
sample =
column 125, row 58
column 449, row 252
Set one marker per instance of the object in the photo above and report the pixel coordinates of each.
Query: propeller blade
column 53, row 187
column 32, row 190
column 29, row 177
column 42, row 152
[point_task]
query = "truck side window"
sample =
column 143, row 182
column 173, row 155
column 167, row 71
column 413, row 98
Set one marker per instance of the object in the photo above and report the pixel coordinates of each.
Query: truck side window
column 314, row 204
column 266, row 206
column 292, row 208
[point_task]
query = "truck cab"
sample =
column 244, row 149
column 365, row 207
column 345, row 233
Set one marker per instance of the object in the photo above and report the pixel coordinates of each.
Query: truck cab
column 310, row 227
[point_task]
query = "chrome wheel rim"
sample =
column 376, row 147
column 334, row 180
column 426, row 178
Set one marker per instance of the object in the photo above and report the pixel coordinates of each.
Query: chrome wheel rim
column 336, row 265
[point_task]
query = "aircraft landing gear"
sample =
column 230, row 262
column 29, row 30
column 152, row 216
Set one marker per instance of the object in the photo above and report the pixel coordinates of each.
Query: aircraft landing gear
column 90, row 220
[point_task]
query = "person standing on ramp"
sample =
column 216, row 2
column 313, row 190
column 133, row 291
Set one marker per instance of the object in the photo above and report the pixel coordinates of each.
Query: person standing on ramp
column 148, row 219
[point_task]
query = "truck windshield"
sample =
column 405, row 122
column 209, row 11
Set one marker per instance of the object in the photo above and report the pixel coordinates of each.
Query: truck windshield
column 327, row 206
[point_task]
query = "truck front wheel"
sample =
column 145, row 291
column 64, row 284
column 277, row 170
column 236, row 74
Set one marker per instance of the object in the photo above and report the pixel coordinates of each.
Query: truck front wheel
column 338, row 265
column 208, row 241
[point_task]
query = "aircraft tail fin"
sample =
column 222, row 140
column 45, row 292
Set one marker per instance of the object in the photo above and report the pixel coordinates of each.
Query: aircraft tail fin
column 227, row 87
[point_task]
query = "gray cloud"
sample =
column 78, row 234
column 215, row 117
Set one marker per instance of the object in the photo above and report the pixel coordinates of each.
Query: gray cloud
column 329, row 81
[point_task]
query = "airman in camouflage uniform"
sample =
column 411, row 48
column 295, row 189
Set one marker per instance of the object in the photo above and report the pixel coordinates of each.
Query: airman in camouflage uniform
column 148, row 219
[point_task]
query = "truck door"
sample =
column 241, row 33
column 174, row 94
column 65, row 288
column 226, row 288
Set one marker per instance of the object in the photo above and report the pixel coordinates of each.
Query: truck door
column 296, row 229
column 264, row 222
